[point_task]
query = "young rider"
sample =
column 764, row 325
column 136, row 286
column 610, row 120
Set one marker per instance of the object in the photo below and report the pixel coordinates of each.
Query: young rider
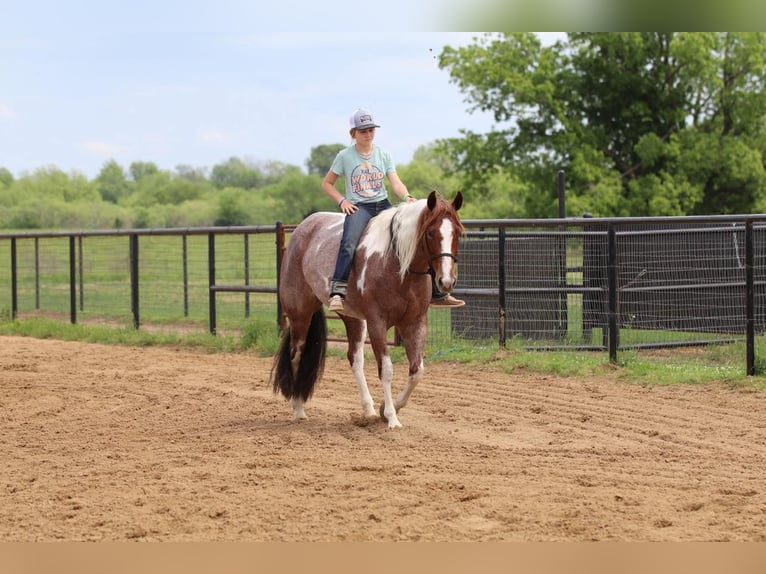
column 365, row 166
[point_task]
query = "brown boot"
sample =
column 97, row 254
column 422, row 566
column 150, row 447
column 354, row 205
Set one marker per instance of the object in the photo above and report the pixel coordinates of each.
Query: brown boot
column 448, row 301
column 336, row 304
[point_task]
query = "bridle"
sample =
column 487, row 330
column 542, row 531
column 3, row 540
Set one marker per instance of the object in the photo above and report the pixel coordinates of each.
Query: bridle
column 433, row 257
column 430, row 268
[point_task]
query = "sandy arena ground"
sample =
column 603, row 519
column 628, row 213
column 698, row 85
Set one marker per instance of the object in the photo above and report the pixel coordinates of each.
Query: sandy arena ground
column 114, row 443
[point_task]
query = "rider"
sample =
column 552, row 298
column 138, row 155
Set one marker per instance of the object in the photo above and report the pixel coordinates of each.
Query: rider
column 365, row 167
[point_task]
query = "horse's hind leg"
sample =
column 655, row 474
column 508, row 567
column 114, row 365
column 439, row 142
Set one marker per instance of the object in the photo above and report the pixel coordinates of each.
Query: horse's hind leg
column 300, row 360
column 296, row 354
column 299, row 413
column 356, row 331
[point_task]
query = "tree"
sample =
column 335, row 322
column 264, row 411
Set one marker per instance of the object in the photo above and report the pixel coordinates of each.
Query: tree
column 232, row 208
column 275, row 171
column 295, row 196
column 142, row 169
column 235, row 172
column 642, row 123
column 191, row 173
column 112, row 182
column 6, row 177
column 321, row 158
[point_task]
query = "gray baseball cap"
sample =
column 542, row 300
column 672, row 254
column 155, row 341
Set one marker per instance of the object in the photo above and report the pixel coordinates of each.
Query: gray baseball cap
column 361, row 120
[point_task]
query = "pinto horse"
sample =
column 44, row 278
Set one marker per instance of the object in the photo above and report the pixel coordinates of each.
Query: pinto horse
column 389, row 286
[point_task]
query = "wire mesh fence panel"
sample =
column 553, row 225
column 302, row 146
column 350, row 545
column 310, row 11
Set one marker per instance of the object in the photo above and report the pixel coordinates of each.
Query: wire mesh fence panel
column 681, row 285
column 43, row 275
column 173, row 278
column 537, row 304
column 759, row 276
column 478, row 273
column 103, row 278
column 536, row 284
column 559, row 284
column 594, row 298
column 246, row 260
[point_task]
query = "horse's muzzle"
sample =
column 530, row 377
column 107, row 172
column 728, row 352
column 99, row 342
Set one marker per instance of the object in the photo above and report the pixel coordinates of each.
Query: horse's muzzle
column 445, row 283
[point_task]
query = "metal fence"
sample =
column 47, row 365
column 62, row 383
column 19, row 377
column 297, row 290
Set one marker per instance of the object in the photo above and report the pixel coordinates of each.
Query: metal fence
column 581, row 283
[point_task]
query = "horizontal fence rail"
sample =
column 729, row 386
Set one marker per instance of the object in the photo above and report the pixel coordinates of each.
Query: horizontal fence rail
column 600, row 284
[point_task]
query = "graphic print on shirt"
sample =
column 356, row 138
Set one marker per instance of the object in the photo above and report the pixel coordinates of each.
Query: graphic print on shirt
column 367, row 180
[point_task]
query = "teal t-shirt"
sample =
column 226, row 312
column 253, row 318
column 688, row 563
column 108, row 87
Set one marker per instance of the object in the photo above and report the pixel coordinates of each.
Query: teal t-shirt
column 365, row 178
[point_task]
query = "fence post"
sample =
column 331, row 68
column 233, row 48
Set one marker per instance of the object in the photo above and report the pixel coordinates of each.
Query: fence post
column 14, row 281
column 211, row 280
column 81, row 268
column 749, row 299
column 501, row 285
column 185, row 262
column 247, row 274
column 280, row 241
column 37, row 273
column 72, row 281
column 612, row 287
column 134, row 283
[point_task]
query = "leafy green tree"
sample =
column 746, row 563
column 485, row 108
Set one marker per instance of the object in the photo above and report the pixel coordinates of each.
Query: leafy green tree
column 295, row 196
column 141, row 169
column 232, row 207
column 111, row 182
column 426, row 172
column 51, row 183
column 146, row 191
column 642, row 123
column 321, row 158
column 180, row 189
column 235, row 172
column 6, row 177
column 274, row 171
column 191, row 173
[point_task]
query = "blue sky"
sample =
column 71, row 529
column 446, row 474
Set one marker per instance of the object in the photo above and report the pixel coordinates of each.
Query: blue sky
column 196, row 82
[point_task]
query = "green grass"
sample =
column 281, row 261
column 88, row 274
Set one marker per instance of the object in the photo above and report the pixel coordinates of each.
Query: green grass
column 105, row 278
column 104, row 313
column 46, row 328
column 698, row 366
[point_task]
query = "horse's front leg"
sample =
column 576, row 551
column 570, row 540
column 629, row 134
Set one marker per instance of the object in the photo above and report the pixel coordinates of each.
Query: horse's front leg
column 356, row 331
column 385, row 372
column 414, row 344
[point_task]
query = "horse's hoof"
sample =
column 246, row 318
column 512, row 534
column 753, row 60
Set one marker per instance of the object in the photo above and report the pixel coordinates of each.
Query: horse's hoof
column 382, row 415
column 369, row 411
column 394, row 424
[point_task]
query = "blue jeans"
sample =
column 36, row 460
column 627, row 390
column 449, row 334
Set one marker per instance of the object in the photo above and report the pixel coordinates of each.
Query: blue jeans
column 353, row 227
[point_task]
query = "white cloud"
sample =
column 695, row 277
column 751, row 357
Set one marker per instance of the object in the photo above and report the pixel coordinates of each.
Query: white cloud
column 102, row 149
column 212, row 136
column 7, row 112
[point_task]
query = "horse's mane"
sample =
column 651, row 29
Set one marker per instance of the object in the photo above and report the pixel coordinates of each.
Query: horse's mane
column 402, row 228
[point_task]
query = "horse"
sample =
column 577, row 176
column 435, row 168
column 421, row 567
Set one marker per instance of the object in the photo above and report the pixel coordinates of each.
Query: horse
column 389, row 286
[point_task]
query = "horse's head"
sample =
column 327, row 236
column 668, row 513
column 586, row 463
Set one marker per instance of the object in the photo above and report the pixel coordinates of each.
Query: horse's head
column 440, row 232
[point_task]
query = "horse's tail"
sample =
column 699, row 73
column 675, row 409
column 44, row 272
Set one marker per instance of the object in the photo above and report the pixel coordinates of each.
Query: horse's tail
column 311, row 366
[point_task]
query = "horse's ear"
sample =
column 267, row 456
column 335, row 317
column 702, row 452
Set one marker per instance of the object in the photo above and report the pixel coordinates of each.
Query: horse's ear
column 458, row 201
column 432, row 200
